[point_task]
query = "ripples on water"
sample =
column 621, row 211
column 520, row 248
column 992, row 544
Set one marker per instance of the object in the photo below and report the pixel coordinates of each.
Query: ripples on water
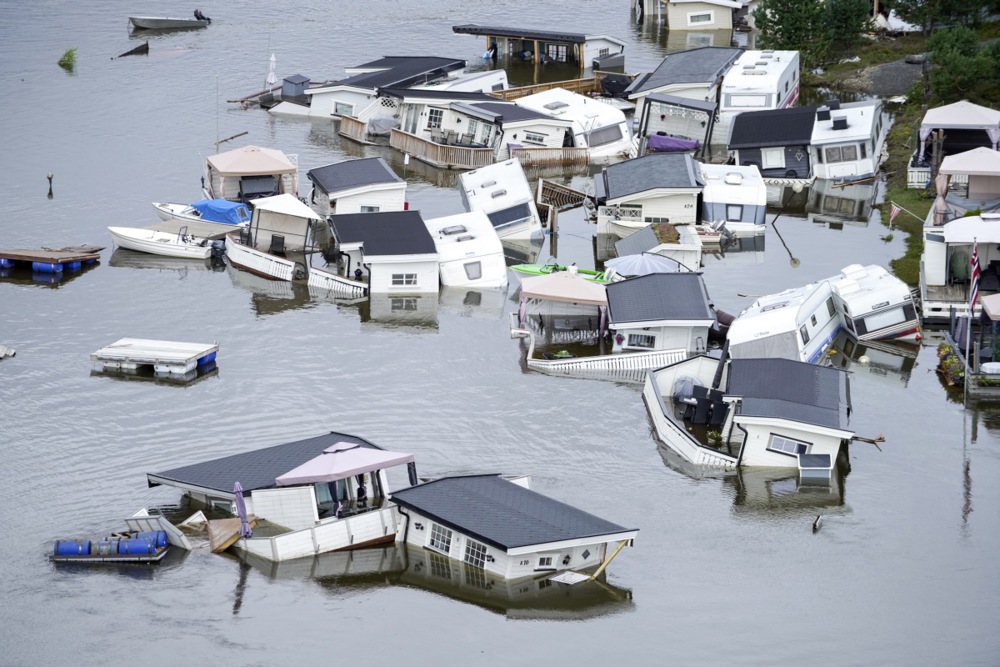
column 733, row 558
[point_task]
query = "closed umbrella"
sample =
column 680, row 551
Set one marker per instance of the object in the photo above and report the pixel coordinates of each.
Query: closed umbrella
column 241, row 510
column 643, row 264
column 940, row 203
column 271, row 77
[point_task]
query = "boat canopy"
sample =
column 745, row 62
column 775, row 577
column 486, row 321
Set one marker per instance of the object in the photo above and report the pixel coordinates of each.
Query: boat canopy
column 222, row 210
column 340, row 461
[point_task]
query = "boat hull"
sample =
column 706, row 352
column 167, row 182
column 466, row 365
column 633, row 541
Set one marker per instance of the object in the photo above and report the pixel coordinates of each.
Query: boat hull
column 165, row 23
column 160, row 243
column 258, row 262
column 175, row 216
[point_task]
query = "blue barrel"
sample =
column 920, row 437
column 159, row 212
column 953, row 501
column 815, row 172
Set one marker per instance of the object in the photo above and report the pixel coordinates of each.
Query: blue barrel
column 105, row 548
column 157, row 537
column 47, row 267
column 136, row 547
column 207, row 359
column 71, row 548
column 46, row 278
column 6, row 263
column 72, row 266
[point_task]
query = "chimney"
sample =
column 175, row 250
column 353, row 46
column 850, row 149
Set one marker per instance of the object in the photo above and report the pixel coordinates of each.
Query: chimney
column 833, row 103
column 823, row 113
column 840, row 123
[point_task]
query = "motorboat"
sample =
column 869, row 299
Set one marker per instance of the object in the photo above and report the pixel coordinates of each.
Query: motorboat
column 162, row 243
column 210, row 218
column 167, row 22
column 603, row 277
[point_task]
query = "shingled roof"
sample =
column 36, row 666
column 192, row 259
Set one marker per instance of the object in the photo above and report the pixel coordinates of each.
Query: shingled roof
column 706, row 64
column 500, row 513
column 253, row 470
column 385, row 233
column 659, row 297
column 649, row 172
column 352, row 174
column 773, row 127
column 793, row 390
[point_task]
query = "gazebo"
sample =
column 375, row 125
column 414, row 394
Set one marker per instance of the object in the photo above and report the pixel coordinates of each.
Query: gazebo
column 563, row 287
column 971, row 126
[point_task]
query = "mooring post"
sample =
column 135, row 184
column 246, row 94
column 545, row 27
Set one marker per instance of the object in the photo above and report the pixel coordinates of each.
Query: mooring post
column 50, row 184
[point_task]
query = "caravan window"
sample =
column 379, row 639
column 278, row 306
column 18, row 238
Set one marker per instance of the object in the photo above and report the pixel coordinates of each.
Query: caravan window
column 842, row 153
column 830, row 308
column 788, row 446
column 474, row 270
column 805, row 334
column 734, row 212
column 605, row 135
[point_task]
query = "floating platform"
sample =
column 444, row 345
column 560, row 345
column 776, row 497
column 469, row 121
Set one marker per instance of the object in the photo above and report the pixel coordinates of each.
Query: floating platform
column 149, row 547
column 52, row 260
column 163, row 356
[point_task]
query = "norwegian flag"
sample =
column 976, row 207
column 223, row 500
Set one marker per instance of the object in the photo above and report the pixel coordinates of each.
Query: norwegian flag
column 893, row 212
column 974, row 288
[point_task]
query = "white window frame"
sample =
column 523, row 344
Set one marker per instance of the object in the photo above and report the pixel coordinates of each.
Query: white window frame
column 437, row 536
column 641, row 341
column 693, row 18
column 781, row 444
column 404, row 279
column 343, row 109
column 434, row 118
column 840, row 153
column 546, row 562
column 534, row 138
column 771, row 157
column 369, row 209
column 475, row 553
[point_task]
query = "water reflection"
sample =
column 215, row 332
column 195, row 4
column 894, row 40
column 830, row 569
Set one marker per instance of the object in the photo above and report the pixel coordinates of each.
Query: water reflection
column 270, row 296
column 122, row 258
column 349, row 573
column 147, row 374
column 418, row 312
column 142, row 571
column 888, row 362
column 836, row 205
column 21, row 274
column 466, row 302
column 523, row 251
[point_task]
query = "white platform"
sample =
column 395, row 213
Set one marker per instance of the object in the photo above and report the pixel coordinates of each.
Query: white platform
column 163, row 355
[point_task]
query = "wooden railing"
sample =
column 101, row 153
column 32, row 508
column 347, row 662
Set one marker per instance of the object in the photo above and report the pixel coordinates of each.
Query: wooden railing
column 539, row 157
column 586, row 86
column 439, row 155
column 354, row 129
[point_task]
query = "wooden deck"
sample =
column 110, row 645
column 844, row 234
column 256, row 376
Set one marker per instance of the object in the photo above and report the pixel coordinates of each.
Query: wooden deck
column 81, row 253
column 162, row 355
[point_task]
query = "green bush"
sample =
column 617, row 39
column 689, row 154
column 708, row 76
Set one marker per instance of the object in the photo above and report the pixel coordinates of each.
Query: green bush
column 68, row 59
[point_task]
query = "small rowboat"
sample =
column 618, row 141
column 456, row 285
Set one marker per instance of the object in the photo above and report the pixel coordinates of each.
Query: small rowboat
column 162, row 243
column 166, row 23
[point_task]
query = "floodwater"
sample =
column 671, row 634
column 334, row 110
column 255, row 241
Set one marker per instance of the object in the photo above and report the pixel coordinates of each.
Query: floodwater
column 726, row 569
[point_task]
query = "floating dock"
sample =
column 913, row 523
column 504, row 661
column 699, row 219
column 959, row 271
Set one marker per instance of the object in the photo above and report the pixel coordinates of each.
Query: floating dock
column 163, row 356
column 52, row 260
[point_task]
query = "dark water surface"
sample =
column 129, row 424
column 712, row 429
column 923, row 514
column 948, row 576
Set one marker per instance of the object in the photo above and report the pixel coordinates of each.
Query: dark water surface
column 726, row 570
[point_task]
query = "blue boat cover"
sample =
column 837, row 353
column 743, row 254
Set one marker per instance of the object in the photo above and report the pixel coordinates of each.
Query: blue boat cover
column 662, row 144
column 222, row 210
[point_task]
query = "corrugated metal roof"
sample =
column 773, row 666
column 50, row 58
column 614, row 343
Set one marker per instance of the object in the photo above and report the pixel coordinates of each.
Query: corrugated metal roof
column 659, row 296
column 253, row 470
column 501, row 513
column 352, row 174
column 794, row 390
column 385, row 233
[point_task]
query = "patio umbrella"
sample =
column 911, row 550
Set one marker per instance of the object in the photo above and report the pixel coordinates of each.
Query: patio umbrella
column 341, row 461
column 643, row 264
column 940, row 203
column 241, row 510
column 271, row 77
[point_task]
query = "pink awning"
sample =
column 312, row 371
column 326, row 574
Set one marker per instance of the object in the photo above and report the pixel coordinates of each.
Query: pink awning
column 340, row 461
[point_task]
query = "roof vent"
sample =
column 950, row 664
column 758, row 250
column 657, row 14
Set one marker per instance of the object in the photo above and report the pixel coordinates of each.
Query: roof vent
column 488, row 184
column 840, row 123
column 552, row 106
column 766, row 55
column 498, row 193
column 762, row 63
column 748, row 67
column 823, row 113
column 454, row 229
column 734, row 178
column 834, row 104
column 467, row 237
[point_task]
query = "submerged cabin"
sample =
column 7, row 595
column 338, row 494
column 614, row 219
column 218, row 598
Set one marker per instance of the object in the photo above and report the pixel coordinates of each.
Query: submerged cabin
column 660, row 311
column 501, row 191
column 250, row 172
column 776, row 141
column 548, row 46
column 505, row 529
column 366, row 185
column 596, row 126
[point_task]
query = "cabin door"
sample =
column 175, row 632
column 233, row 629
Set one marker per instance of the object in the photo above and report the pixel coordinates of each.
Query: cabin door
column 772, row 158
column 411, row 119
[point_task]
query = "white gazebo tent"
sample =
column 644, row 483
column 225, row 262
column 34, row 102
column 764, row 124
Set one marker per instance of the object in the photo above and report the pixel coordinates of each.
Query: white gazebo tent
column 981, row 165
column 963, row 115
column 563, row 287
column 284, row 216
column 225, row 173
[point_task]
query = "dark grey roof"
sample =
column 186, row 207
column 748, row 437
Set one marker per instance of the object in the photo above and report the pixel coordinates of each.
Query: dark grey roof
column 706, row 64
column 385, row 233
column 426, row 93
column 649, row 172
column 659, row 296
column 772, row 127
column 296, row 78
column 637, row 242
column 512, row 112
column 793, row 390
column 352, row 174
column 253, row 470
column 400, row 71
column 524, row 33
column 501, row 513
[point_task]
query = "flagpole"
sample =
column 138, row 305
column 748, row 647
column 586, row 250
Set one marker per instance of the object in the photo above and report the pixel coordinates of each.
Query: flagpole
column 910, row 212
column 973, row 295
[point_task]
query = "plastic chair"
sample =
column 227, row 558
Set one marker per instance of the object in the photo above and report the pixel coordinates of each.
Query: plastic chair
column 277, row 244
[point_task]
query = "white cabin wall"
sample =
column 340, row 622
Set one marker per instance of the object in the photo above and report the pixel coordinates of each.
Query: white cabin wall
column 679, row 208
column 567, row 558
column 755, row 452
column 553, row 135
column 935, row 257
column 382, row 272
column 678, row 16
column 325, row 104
column 385, row 199
column 293, row 507
column 592, row 50
column 493, row 270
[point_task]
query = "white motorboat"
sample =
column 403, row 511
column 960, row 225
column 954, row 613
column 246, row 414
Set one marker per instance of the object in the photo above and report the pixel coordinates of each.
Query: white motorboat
column 161, row 243
column 166, row 22
column 209, row 218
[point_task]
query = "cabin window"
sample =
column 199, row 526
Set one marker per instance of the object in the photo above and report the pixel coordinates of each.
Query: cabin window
column 475, row 553
column 534, row 138
column 403, row 305
column 813, row 320
column 440, row 539
column 474, row 270
column 863, row 152
column 641, row 340
column 773, row 158
column 701, row 18
column 434, row 118
column 605, row 135
column 805, row 334
column 404, row 279
column 734, row 212
column 473, row 128
column 830, row 307
column 341, row 109
column 841, row 153
column 369, row 209
column 604, row 52
column 556, row 52
column 788, row 446
column 545, row 563
column 656, row 220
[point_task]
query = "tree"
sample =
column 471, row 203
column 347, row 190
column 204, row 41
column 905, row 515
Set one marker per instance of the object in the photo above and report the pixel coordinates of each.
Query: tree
column 793, row 25
column 963, row 68
column 845, row 20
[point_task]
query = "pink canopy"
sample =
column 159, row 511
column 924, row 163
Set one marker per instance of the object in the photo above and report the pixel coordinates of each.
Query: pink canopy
column 340, row 461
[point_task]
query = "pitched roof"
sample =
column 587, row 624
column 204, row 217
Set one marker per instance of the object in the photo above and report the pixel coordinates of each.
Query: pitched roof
column 637, row 242
column 437, row 94
column 773, row 127
column 253, row 470
column 565, row 287
column 399, row 71
column 510, row 113
column 702, row 65
column 385, row 233
column 961, row 115
column 649, row 172
column 250, row 160
column 352, row 174
column 793, row 390
column 659, row 296
column 501, row 513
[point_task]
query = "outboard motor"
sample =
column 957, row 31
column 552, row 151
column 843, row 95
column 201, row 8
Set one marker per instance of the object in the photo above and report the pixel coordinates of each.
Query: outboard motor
column 218, row 253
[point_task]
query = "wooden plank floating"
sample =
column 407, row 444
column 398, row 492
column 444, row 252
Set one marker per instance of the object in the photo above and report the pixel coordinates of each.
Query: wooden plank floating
column 163, row 355
column 223, row 533
column 82, row 253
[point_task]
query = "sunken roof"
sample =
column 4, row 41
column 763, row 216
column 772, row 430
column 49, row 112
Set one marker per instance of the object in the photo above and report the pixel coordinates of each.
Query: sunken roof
column 792, row 390
column 527, row 33
column 659, row 296
column 436, row 94
column 399, row 71
column 649, row 172
column 253, row 470
column 513, row 112
column 385, row 233
column 352, row 174
column 501, row 513
column 702, row 65
column 773, row 127
column 637, row 242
